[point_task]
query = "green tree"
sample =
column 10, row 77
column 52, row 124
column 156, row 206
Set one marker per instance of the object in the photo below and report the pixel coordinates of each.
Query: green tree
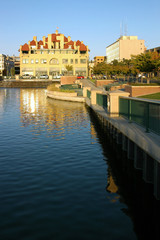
column 12, row 71
column 69, row 68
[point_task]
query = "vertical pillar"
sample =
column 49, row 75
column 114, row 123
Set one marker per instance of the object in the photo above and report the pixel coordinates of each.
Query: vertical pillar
column 130, row 152
column 119, row 137
column 124, row 142
column 148, row 168
column 157, row 180
column 138, row 157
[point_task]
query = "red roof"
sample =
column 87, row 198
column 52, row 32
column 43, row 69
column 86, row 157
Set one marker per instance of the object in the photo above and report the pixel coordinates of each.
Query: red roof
column 40, row 42
column 25, row 47
column 78, row 43
column 83, row 47
column 65, row 39
column 71, row 43
column 53, row 39
column 46, row 39
column 46, row 46
column 32, row 43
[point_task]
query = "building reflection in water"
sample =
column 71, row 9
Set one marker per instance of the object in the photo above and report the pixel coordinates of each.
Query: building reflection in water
column 42, row 113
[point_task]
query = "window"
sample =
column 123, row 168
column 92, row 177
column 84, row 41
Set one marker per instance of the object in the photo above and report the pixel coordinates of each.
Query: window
column 83, row 61
column 71, row 61
column 32, row 61
column 76, row 61
column 43, row 61
column 64, row 61
column 54, row 61
column 25, row 61
column 36, row 61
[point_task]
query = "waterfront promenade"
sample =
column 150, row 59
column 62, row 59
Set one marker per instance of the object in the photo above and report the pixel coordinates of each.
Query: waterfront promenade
column 142, row 147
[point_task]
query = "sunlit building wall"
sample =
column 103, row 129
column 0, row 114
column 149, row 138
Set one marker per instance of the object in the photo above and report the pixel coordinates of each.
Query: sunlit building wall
column 124, row 48
column 51, row 55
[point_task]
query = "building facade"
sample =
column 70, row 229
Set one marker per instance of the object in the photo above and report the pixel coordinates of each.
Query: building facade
column 2, row 64
column 52, row 54
column 124, row 47
column 99, row 59
column 6, row 65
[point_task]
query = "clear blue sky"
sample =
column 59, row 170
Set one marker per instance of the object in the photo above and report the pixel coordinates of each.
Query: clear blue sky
column 97, row 23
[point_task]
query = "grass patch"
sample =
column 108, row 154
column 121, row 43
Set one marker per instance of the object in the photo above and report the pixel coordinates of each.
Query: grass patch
column 155, row 96
column 52, row 87
column 92, row 80
column 145, row 84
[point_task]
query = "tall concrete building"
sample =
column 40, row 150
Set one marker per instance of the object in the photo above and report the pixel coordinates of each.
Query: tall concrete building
column 124, row 47
column 51, row 55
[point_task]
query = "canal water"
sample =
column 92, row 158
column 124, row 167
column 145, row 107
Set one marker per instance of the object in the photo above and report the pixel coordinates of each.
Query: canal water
column 63, row 178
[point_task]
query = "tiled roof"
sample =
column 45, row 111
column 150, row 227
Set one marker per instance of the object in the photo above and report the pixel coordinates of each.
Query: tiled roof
column 40, row 42
column 83, row 47
column 65, row 39
column 25, row 47
column 78, row 43
column 71, row 43
column 46, row 39
column 46, row 46
column 53, row 39
column 32, row 43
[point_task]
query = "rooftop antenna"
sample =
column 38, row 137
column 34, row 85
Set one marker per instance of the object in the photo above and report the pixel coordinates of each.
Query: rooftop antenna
column 125, row 30
column 121, row 31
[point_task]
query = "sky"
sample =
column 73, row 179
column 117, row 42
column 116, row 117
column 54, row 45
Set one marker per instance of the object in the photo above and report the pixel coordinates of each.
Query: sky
column 98, row 23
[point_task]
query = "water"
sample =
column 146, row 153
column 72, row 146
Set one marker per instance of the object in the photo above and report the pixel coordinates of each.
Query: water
column 58, row 178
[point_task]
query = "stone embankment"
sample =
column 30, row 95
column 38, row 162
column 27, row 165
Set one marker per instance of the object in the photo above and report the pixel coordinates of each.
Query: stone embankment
column 25, row 83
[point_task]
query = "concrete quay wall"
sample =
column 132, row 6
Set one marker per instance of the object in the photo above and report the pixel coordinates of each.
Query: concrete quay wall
column 142, row 148
column 25, row 83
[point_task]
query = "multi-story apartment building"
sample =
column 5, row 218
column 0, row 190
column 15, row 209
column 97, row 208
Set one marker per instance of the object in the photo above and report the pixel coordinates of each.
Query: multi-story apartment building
column 99, row 59
column 51, row 55
column 124, row 47
column 2, row 64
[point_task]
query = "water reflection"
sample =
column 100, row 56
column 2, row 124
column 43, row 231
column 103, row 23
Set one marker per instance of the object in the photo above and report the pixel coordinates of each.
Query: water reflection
column 142, row 208
column 44, row 114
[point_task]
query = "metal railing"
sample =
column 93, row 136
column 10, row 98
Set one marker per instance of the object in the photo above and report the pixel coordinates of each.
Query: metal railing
column 143, row 112
column 88, row 94
column 101, row 100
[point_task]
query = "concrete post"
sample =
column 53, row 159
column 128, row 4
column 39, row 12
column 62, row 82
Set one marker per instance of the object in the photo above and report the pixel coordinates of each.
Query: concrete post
column 94, row 96
column 85, row 91
column 113, row 107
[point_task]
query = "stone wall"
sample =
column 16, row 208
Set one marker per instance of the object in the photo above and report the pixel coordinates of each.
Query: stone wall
column 100, row 83
column 68, row 80
column 136, row 91
column 25, row 84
